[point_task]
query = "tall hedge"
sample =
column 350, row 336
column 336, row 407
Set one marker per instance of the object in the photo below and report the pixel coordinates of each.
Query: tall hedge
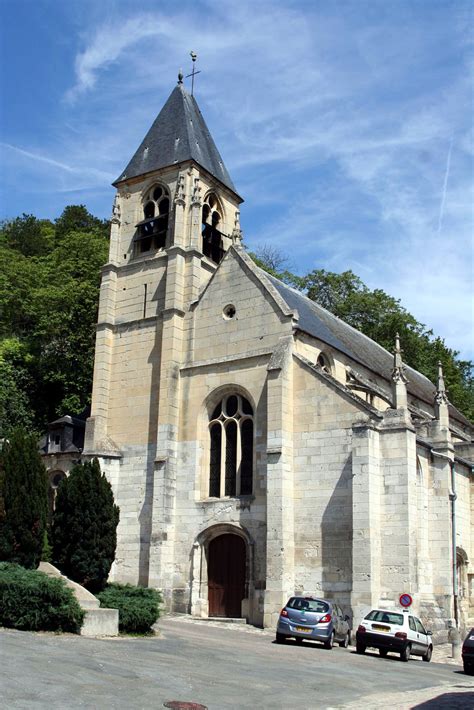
column 24, row 505
column 84, row 526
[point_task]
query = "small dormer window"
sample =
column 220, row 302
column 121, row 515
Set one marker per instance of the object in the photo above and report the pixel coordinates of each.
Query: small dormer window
column 152, row 230
column 212, row 242
column 323, row 363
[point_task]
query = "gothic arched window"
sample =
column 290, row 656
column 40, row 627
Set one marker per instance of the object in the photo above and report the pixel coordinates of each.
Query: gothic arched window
column 231, row 448
column 152, row 230
column 212, row 245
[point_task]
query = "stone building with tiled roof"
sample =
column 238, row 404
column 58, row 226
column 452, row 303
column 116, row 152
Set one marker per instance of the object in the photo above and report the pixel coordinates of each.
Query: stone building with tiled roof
column 257, row 445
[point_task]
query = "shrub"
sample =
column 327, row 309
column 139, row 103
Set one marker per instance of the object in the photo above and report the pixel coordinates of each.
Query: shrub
column 84, row 529
column 32, row 601
column 139, row 607
column 24, row 500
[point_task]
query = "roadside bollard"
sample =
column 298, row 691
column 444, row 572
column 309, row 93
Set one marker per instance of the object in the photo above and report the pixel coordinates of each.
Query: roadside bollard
column 454, row 638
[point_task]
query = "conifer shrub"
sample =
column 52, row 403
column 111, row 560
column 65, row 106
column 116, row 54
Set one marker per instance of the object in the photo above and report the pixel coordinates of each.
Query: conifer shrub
column 138, row 607
column 84, row 529
column 24, row 500
column 32, row 601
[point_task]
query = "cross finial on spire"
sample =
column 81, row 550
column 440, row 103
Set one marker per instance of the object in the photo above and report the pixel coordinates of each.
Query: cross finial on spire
column 194, row 72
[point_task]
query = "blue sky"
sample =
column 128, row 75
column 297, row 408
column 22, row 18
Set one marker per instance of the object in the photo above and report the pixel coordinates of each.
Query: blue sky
column 345, row 125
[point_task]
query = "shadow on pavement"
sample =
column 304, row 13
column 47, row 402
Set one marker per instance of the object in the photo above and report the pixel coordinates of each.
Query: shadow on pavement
column 448, row 701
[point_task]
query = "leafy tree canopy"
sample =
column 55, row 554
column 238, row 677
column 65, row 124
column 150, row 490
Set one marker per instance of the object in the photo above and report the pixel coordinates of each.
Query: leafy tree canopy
column 49, row 290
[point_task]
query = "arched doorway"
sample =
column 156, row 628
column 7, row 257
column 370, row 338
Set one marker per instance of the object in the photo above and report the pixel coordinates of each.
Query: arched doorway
column 226, row 575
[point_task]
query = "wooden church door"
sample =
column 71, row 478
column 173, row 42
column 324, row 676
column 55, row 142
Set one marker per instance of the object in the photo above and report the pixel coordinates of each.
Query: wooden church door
column 226, row 575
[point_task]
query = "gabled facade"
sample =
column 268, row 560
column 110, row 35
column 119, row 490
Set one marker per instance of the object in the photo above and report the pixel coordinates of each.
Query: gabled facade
column 257, row 445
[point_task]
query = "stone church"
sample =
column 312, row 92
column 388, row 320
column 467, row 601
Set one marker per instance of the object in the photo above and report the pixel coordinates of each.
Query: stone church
column 257, row 445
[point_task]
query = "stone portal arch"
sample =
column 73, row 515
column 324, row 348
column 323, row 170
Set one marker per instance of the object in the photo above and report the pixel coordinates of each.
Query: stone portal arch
column 221, row 575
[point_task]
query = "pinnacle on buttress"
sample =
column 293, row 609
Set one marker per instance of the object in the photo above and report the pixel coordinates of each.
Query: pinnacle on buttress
column 441, row 399
column 399, row 378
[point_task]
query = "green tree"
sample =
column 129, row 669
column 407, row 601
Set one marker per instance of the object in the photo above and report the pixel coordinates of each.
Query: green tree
column 84, row 526
column 27, row 235
column 48, row 304
column 76, row 218
column 15, row 380
column 24, row 500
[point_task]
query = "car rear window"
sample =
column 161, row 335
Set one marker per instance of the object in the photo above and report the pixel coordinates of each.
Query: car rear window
column 316, row 605
column 386, row 617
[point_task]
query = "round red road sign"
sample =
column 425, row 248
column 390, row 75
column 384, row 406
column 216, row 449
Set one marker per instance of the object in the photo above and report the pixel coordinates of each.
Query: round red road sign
column 406, row 600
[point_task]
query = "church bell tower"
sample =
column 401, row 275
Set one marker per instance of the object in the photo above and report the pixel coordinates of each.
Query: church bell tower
column 175, row 214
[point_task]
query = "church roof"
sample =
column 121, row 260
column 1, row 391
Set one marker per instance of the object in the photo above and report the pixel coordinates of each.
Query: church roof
column 320, row 323
column 179, row 133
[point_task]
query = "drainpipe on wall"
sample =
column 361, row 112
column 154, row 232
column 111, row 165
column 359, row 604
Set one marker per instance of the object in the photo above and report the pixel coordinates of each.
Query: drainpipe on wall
column 454, row 632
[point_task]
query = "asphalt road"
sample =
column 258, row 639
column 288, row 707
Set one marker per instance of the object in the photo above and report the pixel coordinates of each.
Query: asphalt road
column 216, row 667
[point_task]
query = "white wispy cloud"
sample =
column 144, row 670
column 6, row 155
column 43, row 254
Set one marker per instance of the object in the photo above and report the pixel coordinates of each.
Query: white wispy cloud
column 109, row 43
column 74, row 170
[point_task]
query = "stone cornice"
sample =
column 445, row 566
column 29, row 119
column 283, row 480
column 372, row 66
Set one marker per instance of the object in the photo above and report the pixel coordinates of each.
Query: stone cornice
column 226, row 360
column 132, row 324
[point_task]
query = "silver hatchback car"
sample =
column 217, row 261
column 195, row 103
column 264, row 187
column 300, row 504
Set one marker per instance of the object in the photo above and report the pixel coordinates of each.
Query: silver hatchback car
column 315, row 620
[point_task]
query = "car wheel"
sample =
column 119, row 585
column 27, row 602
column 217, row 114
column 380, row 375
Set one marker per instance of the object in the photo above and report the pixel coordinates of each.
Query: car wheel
column 330, row 642
column 347, row 640
column 360, row 648
column 428, row 654
column 280, row 638
column 405, row 654
column 298, row 640
column 383, row 652
column 468, row 669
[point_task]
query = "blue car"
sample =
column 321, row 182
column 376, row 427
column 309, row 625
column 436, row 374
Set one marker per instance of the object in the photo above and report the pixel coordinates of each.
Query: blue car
column 315, row 620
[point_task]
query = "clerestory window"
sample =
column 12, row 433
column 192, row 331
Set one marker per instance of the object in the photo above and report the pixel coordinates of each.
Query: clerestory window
column 231, row 433
column 152, row 230
column 212, row 243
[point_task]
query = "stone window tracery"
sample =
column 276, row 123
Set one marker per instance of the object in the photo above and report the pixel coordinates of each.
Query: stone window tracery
column 231, row 435
column 152, row 230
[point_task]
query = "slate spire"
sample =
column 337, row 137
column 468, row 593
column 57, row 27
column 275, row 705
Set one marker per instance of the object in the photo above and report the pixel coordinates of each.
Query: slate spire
column 179, row 133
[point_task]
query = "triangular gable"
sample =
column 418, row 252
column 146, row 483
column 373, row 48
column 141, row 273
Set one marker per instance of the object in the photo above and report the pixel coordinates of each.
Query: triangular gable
column 257, row 276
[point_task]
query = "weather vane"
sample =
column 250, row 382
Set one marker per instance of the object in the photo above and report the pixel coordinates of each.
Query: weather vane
column 193, row 73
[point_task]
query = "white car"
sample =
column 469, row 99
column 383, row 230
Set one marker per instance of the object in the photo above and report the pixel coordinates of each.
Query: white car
column 397, row 631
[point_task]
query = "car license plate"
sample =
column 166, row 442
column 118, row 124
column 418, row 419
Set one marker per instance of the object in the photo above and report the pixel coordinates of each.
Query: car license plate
column 376, row 627
column 303, row 629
